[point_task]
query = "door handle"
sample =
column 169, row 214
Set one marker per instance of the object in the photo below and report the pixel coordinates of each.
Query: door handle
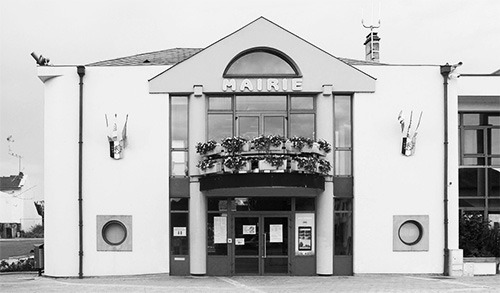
column 265, row 246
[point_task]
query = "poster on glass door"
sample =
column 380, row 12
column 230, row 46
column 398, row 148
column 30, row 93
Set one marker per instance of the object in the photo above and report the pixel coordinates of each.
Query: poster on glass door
column 276, row 233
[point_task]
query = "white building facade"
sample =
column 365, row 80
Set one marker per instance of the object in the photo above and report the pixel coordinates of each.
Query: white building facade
column 160, row 203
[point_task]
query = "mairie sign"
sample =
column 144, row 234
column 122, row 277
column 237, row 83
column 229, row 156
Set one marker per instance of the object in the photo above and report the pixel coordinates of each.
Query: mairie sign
column 262, row 85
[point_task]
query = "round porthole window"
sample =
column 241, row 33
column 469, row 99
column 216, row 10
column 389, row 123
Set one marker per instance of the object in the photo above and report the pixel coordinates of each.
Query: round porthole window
column 114, row 232
column 410, row 232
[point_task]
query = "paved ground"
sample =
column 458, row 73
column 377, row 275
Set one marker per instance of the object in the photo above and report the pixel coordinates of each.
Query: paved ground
column 20, row 283
column 17, row 246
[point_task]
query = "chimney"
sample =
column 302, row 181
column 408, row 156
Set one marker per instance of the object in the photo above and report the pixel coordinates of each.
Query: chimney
column 372, row 47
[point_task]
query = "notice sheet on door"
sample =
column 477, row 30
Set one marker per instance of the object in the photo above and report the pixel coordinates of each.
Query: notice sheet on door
column 220, row 230
column 276, row 233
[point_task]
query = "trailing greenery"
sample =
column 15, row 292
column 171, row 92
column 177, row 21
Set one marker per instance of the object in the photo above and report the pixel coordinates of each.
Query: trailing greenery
column 206, row 164
column 203, row 148
column 477, row 238
column 324, row 166
column 324, row 145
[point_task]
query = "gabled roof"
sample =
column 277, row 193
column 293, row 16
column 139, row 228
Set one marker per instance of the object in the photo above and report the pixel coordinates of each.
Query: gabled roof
column 162, row 57
column 206, row 68
column 176, row 55
column 13, row 182
column 496, row 72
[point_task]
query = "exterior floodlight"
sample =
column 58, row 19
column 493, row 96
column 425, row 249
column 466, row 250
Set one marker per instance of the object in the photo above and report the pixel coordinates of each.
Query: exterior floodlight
column 42, row 61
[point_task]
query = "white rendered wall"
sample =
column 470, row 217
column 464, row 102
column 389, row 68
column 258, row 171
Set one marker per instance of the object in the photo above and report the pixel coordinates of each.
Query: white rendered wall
column 61, row 173
column 387, row 183
column 136, row 185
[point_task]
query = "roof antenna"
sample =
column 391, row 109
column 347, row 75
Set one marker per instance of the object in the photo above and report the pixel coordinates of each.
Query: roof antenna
column 11, row 140
column 372, row 40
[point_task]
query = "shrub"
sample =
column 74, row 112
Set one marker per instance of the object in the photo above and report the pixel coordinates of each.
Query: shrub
column 18, row 266
column 477, row 238
column 34, row 232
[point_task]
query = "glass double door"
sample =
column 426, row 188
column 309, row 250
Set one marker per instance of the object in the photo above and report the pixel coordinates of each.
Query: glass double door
column 261, row 245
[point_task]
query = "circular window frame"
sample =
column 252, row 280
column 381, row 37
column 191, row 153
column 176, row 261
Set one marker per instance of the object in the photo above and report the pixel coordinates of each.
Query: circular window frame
column 109, row 223
column 420, row 232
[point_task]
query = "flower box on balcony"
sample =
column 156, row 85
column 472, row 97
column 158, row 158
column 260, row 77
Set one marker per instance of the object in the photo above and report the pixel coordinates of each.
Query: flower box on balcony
column 218, row 150
column 304, row 164
column 276, row 149
column 243, row 169
column 289, row 147
column 265, row 165
column 216, row 168
column 314, row 149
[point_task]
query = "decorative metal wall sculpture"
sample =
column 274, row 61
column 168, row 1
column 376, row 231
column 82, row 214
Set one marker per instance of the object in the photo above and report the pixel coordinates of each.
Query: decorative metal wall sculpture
column 117, row 141
column 410, row 138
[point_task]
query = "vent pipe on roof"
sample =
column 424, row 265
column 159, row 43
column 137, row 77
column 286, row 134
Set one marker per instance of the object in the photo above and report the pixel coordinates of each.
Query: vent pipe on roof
column 81, row 74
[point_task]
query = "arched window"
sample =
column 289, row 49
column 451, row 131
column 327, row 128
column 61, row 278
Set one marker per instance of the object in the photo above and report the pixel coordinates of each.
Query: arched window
column 262, row 62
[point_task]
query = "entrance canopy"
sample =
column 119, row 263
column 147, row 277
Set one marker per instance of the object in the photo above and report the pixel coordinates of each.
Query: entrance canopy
column 216, row 67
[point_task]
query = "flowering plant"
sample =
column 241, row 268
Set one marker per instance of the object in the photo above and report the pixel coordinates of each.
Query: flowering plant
column 235, row 162
column 263, row 143
column 300, row 141
column 205, row 147
column 307, row 163
column 324, row 145
column 206, row 164
column 274, row 160
column 233, row 144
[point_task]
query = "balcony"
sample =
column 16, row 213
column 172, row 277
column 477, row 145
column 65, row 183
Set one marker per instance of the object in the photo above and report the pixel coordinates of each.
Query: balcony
column 263, row 162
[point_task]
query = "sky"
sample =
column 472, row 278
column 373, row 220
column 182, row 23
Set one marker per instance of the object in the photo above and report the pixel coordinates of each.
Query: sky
column 81, row 32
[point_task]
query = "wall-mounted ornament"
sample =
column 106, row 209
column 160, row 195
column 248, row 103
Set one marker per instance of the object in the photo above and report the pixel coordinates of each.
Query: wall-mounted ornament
column 117, row 140
column 409, row 139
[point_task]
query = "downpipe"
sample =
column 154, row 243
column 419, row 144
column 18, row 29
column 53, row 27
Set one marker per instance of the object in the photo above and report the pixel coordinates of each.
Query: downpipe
column 81, row 74
column 445, row 72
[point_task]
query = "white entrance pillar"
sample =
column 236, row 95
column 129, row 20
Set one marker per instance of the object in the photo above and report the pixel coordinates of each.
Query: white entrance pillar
column 197, row 201
column 324, row 202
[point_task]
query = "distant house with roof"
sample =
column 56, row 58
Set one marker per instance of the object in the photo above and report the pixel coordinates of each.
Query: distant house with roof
column 11, row 207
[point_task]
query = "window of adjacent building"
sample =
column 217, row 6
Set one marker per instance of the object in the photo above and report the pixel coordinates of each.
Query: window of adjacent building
column 479, row 172
column 179, row 136
column 343, row 135
column 262, row 62
column 252, row 115
column 179, row 226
